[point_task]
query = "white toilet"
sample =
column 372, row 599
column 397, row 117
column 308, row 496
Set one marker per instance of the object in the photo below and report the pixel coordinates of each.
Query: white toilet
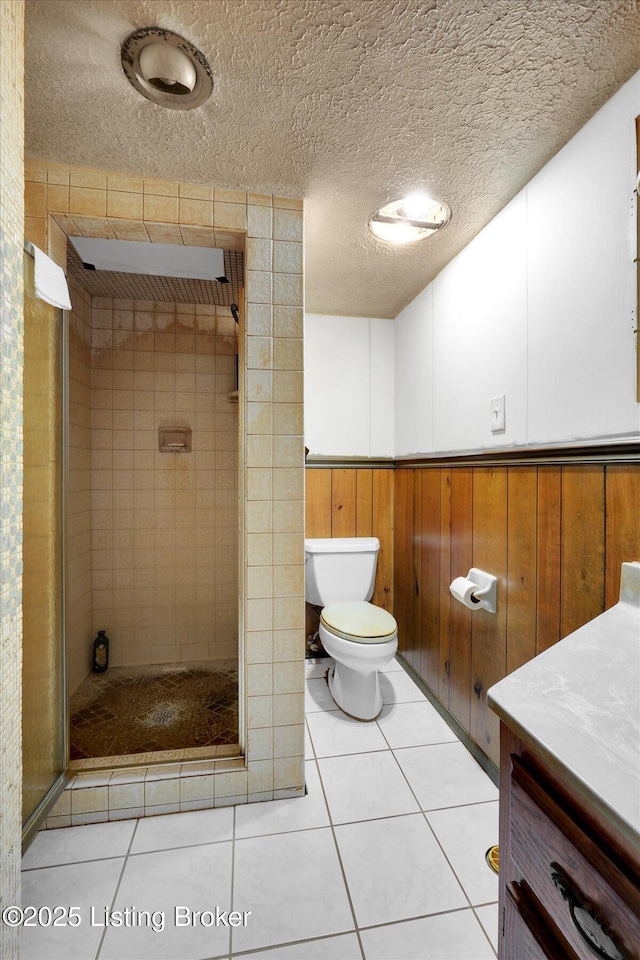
column 361, row 638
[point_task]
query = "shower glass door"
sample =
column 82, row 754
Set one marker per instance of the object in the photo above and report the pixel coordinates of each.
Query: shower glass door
column 43, row 684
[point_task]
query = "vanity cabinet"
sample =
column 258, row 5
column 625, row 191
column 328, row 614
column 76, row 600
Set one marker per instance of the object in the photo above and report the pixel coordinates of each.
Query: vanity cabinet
column 569, row 881
column 570, row 792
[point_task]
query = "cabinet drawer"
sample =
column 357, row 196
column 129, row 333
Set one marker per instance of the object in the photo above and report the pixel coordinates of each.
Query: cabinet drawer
column 593, row 901
column 528, row 931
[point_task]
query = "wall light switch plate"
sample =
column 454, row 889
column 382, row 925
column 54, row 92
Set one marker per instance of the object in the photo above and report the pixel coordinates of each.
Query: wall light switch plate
column 497, row 414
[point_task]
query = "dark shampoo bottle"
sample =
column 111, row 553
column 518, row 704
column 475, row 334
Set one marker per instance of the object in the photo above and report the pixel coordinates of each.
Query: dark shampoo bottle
column 100, row 652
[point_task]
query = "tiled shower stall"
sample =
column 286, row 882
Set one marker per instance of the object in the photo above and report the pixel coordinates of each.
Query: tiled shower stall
column 175, row 601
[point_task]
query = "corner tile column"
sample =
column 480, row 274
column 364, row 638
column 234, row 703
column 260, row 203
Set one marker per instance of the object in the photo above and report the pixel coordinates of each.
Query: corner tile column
column 11, row 319
column 274, row 505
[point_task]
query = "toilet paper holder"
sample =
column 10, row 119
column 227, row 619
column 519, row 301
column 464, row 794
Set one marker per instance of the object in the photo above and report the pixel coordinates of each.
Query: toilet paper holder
column 481, row 591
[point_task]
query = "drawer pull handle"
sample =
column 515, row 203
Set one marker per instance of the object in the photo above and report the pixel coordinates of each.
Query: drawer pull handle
column 585, row 919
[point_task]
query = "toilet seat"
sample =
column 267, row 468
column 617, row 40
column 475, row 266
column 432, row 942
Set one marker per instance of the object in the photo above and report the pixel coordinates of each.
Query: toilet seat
column 359, row 621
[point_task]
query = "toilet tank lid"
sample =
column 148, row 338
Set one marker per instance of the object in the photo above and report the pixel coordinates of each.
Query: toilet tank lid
column 342, row 545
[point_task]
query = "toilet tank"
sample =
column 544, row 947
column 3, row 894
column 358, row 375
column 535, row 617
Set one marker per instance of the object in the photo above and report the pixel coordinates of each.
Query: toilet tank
column 340, row 569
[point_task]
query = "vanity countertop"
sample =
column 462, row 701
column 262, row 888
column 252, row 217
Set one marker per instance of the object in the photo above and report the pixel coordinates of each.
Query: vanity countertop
column 577, row 705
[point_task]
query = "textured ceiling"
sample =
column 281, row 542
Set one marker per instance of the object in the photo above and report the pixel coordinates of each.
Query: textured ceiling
column 348, row 103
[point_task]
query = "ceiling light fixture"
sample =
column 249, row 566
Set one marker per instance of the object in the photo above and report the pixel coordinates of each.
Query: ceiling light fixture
column 166, row 69
column 412, row 218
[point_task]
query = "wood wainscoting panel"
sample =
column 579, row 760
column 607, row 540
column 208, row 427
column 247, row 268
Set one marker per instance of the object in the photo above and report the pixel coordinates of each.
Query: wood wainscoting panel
column 582, row 547
column 489, row 630
column 364, row 503
column 410, row 640
column 444, row 659
column 460, row 617
column 416, row 571
column 402, row 538
column 317, row 503
column 622, row 536
column 343, row 503
column 411, row 586
column 382, row 527
column 549, row 501
column 430, row 549
column 521, row 587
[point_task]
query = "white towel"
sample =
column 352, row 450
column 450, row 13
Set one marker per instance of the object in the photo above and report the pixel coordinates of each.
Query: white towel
column 50, row 281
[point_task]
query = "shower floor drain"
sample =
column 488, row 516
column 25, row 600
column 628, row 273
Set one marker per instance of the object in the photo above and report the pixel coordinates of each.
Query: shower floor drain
column 162, row 715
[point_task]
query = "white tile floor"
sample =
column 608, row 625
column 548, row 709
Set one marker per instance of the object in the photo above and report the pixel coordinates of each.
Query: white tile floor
column 382, row 860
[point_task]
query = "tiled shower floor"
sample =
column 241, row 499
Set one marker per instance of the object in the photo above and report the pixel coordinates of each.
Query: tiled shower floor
column 132, row 710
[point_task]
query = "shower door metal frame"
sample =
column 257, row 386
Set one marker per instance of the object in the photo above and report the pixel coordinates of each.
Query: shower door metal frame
column 241, row 360
column 33, row 823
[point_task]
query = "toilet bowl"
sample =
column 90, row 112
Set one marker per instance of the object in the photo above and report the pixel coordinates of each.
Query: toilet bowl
column 362, row 638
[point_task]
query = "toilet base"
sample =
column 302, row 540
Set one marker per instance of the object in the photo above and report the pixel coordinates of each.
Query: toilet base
column 354, row 682
column 363, row 700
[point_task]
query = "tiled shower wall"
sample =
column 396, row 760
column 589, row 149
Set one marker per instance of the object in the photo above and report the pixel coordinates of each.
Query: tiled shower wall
column 11, row 318
column 164, row 525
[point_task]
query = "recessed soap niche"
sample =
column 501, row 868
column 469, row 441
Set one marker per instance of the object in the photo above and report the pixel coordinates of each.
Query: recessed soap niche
column 174, row 439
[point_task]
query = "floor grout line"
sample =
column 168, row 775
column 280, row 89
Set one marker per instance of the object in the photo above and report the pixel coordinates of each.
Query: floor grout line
column 293, row 943
column 342, row 869
column 118, row 884
column 412, row 746
column 482, row 925
column 74, row 863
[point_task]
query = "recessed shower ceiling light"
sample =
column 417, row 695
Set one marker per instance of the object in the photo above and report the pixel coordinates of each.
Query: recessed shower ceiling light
column 151, row 259
column 414, row 217
column 166, row 69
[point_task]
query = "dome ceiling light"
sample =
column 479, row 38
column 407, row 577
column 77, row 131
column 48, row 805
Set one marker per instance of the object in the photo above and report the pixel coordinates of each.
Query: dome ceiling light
column 412, row 218
column 166, row 69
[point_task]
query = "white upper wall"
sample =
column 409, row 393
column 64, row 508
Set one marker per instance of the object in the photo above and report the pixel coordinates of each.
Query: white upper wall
column 348, row 389
column 539, row 306
column 414, row 381
column 582, row 281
